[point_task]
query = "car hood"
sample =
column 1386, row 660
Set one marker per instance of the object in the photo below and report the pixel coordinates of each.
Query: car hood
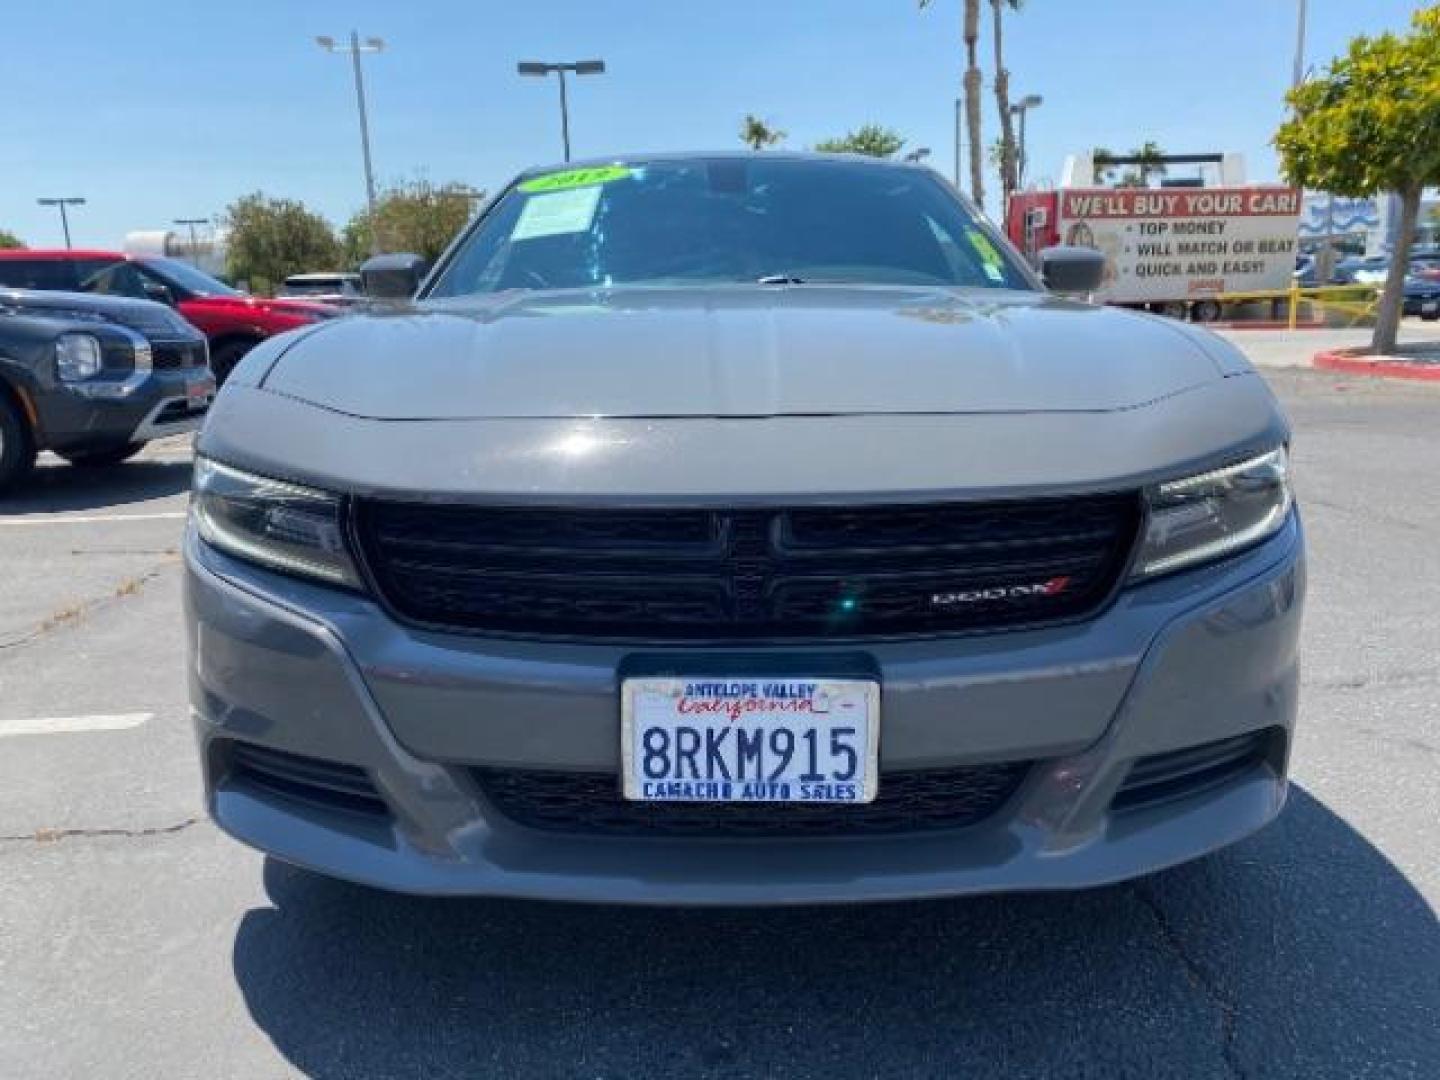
column 740, row 351
column 148, row 318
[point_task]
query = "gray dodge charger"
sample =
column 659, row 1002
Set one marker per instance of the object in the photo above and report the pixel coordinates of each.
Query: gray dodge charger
column 742, row 529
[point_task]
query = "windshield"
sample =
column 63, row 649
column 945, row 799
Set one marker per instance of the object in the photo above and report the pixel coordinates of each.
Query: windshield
column 725, row 219
column 189, row 278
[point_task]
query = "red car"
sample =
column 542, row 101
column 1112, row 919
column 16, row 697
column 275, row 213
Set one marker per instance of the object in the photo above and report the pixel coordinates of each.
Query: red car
column 233, row 321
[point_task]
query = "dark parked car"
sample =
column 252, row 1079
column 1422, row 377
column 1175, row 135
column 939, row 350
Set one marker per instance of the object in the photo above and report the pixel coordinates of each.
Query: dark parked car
column 1422, row 297
column 233, row 321
column 340, row 290
column 94, row 378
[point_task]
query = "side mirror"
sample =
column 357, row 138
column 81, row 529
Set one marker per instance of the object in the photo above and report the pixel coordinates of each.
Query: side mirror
column 392, row 277
column 159, row 293
column 1072, row 269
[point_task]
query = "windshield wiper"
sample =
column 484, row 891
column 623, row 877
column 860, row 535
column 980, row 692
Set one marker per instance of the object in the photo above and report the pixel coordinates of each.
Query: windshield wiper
column 779, row 279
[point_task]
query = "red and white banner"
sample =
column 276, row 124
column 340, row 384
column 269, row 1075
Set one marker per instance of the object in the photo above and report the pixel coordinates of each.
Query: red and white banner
column 1165, row 244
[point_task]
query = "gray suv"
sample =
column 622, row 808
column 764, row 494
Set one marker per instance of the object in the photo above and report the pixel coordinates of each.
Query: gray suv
column 748, row 529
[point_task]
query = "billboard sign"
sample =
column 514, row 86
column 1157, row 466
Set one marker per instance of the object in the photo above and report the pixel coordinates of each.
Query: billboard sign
column 1163, row 244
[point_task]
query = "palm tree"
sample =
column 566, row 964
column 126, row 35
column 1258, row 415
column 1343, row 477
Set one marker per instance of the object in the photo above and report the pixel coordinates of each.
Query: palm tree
column 1151, row 162
column 758, row 134
column 970, row 29
column 1009, row 156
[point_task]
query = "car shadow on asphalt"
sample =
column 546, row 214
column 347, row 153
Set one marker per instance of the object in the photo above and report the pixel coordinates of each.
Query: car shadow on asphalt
column 65, row 489
column 1300, row 952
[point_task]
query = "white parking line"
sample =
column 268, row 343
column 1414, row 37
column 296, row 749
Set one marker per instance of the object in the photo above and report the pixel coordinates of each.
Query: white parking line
column 92, row 519
column 69, row 725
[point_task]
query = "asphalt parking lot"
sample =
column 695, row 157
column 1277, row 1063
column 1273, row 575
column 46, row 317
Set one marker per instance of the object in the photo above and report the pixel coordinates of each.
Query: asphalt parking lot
column 137, row 941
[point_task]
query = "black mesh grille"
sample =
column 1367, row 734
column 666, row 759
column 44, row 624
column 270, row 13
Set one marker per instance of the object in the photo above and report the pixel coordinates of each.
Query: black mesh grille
column 1179, row 773
column 591, row 803
column 170, row 355
column 748, row 574
column 330, row 784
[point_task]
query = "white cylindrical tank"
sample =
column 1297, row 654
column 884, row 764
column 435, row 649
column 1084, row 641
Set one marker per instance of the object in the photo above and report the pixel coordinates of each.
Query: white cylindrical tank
column 208, row 252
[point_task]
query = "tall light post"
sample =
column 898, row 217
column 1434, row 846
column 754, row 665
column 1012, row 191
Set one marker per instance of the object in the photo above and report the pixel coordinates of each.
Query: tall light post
column 1297, row 76
column 354, row 49
column 62, row 202
column 542, row 68
column 1019, row 109
column 958, row 107
column 194, row 241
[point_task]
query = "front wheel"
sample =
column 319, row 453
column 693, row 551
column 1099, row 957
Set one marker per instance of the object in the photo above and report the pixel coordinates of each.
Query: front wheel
column 224, row 359
column 17, row 449
column 104, row 456
column 1207, row 311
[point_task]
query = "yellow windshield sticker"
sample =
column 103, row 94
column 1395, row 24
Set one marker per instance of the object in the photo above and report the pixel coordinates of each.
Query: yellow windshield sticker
column 990, row 260
column 981, row 243
column 574, row 178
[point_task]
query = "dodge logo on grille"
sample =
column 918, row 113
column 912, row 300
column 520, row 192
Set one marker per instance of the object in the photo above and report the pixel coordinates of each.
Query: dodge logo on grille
column 1053, row 587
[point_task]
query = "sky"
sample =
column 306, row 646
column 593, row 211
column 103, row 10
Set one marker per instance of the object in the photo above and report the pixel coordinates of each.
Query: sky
column 169, row 109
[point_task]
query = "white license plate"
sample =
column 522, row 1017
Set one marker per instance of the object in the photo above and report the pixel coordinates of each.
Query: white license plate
column 752, row 739
column 1429, row 307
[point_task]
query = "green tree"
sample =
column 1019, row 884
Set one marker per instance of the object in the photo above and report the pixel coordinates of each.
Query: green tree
column 758, row 134
column 1151, row 163
column 1105, row 165
column 1371, row 124
column 415, row 216
column 996, row 154
column 271, row 239
column 10, row 240
column 970, row 33
column 869, row 139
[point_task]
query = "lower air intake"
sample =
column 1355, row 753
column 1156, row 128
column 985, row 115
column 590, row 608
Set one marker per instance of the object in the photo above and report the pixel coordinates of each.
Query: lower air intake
column 591, row 803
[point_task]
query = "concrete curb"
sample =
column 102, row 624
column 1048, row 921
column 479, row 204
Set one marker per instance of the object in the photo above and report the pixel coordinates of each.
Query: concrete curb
column 1357, row 362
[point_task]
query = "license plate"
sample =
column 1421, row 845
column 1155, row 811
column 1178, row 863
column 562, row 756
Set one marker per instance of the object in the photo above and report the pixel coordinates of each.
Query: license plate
column 1429, row 307
column 197, row 395
column 750, row 740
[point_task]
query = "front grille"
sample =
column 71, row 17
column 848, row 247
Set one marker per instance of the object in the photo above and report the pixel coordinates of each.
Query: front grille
column 1180, row 773
column 591, row 803
column 329, row 784
column 172, row 355
column 874, row 571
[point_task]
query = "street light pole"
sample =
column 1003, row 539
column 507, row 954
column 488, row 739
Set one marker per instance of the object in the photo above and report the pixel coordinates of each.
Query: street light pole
column 564, row 115
column 957, row 142
column 372, row 45
column 1020, row 108
column 62, row 203
column 1298, row 76
column 194, row 241
column 542, row 68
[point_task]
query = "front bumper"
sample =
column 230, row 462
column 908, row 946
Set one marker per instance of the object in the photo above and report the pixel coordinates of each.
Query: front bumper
column 157, row 404
column 1193, row 659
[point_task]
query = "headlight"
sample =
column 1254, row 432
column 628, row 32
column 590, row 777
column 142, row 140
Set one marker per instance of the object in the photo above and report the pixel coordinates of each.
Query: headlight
column 1215, row 513
column 77, row 357
column 279, row 525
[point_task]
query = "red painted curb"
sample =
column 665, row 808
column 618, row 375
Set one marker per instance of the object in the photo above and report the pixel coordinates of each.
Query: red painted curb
column 1351, row 363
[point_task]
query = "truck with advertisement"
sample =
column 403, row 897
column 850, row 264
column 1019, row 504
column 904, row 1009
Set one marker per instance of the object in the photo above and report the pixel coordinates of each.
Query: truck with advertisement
column 1186, row 249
